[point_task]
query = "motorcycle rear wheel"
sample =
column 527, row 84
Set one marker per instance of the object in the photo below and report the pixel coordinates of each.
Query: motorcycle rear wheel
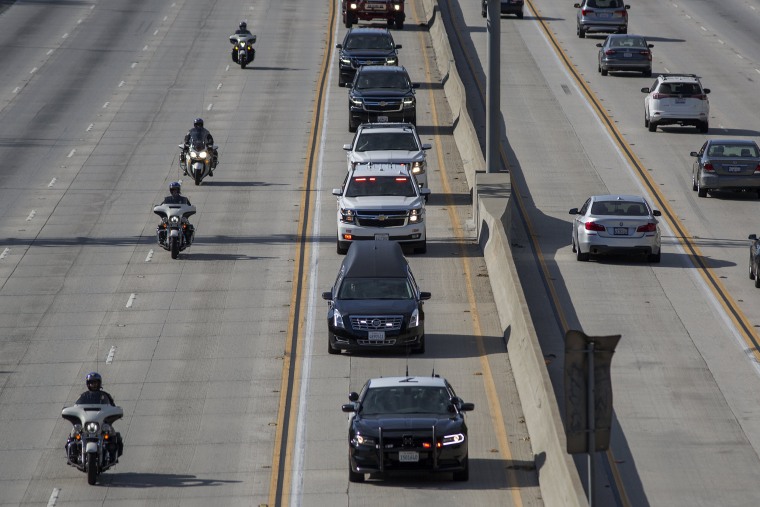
column 175, row 247
column 92, row 468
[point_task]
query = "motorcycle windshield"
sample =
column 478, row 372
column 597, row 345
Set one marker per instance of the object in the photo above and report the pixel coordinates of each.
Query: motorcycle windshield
column 93, row 398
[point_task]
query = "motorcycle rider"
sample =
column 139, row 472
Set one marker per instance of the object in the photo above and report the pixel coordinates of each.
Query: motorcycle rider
column 243, row 30
column 175, row 197
column 94, row 395
column 199, row 133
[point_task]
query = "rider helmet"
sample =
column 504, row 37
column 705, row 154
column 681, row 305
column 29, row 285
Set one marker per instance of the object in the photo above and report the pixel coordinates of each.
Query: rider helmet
column 94, row 381
column 198, row 122
column 174, row 186
column 243, row 25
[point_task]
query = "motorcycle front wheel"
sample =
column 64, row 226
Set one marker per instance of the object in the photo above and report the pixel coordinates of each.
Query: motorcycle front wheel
column 175, row 248
column 92, row 468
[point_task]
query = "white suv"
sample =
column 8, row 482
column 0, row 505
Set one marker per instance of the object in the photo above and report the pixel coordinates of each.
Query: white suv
column 393, row 143
column 381, row 202
column 676, row 99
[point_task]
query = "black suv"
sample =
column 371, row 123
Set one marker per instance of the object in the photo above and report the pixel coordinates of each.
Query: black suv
column 365, row 46
column 381, row 93
column 375, row 301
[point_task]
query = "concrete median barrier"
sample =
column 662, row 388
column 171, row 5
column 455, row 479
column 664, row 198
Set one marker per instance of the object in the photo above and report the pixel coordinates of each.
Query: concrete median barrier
column 493, row 210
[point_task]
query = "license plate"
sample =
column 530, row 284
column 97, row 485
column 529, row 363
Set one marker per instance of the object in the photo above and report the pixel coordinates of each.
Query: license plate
column 680, row 101
column 621, row 231
column 408, row 456
column 627, row 55
column 376, row 336
column 382, row 119
column 375, row 7
column 604, row 14
column 381, row 237
column 734, row 169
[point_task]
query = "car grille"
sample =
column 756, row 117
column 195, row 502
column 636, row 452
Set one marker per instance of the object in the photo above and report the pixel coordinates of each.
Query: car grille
column 370, row 218
column 358, row 62
column 382, row 106
column 377, row 322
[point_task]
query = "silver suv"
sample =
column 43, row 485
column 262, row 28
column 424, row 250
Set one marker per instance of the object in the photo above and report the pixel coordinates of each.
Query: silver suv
column 676, row 99
column 610, row 16
column 392, row 143
column 381, row 202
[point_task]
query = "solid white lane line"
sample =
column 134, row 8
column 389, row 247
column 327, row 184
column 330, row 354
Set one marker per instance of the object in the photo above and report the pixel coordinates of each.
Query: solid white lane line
column 150, row 256
column 111, row 353
column 5, row 253
column 52, row 182
column 71, row 153
column 131, row 300
column 31, row 215
column 53, row 497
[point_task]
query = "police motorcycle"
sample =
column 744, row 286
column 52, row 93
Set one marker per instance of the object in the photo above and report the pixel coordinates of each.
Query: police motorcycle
column 243, row 52
column 197, row 161
column 92, row 446
column 175, row 233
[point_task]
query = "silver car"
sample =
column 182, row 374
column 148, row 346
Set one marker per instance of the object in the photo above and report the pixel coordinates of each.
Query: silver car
column 612, row 224
column 726, row 164
column 610, row 16
column 389, row 143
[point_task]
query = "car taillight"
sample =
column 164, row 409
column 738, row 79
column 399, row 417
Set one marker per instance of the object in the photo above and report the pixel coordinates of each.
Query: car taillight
column 593, row 226
column 709, row 168
column 623, row 13
column 700, row 96
column 648, row 54
column 650, row 227
column 610, row 52
column 586, row 12
column 757, row 169
column 658, row 96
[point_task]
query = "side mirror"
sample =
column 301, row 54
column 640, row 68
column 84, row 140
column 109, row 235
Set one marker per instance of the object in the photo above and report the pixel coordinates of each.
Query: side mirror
column 348, row 407
column 327, row 296
column 347, row 147
column 706, row 90
column 577, row 6
column 466, row 407
column 336, row 191
column 425, row 192
column 599, row 45
column 424, row 296
column 348, row 85
column 426, row 146
column 399, row 46
column 339, row 46
column 650, row 45
column 645, row 90
column 573, row 211
column 694, row 154
column 753, row 237
column 656, row 213
column 627, row 6
column 353, row 396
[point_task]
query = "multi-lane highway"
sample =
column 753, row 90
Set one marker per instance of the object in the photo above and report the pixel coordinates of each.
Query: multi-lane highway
column 219, row 358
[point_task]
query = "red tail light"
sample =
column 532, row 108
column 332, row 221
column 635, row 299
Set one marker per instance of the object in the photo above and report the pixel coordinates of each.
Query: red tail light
column 700, row 96
column 593, row 226
column 757, row 169
column 658, row 96
column 709, row 168
column 610, row 52
column 586, row 12
column 648, row 54
column 647, row 228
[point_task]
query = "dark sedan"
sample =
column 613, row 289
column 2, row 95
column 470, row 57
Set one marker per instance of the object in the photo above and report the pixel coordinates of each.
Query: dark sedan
column 407, row 423
column 625, row 52
column 726, row 164
column 754, row 260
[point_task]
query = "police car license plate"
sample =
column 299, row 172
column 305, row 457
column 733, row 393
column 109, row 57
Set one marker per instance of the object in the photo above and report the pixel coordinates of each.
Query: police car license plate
column 376, row 336
column 381, row 237
column 382, row 119
column 408, row 456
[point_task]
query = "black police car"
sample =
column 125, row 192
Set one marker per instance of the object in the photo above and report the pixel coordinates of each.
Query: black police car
column 407, row 423
column 381, row 94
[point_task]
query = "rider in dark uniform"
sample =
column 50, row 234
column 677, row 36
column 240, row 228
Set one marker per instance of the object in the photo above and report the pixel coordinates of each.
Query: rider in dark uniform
column 199, row 133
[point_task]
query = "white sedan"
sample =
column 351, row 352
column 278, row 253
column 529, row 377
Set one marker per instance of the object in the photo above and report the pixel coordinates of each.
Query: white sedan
column 616, row 224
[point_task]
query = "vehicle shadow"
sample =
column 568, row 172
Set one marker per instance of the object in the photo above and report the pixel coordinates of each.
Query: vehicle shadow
column 690, row 130
column 485, row 474
column 440, row 346
column 144, row 480
column 661, row 39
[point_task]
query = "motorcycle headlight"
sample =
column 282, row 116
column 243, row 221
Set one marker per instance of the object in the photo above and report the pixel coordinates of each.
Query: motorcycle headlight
column 414, row 320
column 91, row 427
column 364, row 440
column 418, row 168
column 203, row 154
column 453, row 439
column 236, row 48
column 347, row 216
column 415, row 216
column 174, row 220
column 193, row 154
column 338, row 319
